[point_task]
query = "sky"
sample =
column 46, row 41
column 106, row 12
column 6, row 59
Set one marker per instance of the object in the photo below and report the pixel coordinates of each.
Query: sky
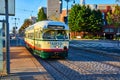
column 26, row 8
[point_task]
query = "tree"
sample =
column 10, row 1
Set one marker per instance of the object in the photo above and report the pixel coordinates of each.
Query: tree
column 82, row 18
column 116, row 16
column 113, row 18
column 26, row 24
column 96, row 21
column 109, row 18
column 41, row 15
column 73, row 18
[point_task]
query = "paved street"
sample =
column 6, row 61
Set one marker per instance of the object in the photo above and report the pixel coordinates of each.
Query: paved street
column 83, row 64
column 97, row 43
column 87, row 60
column 105, row 46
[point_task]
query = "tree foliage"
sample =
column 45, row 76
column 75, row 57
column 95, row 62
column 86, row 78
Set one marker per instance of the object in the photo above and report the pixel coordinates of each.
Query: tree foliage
column 26, row 23
column 41, row 15
column 109, row 18
column 116, row 16
column 82, row 18
column 113, row 18
column 73, row 17
column 96, row 21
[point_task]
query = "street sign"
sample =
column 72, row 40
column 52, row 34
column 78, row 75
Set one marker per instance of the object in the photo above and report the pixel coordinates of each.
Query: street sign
column 11, row 7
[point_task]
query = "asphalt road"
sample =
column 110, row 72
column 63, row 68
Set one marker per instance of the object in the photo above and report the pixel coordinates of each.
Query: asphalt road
column 108, row 46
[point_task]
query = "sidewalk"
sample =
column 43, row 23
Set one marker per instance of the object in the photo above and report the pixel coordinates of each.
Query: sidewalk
column 23, row 66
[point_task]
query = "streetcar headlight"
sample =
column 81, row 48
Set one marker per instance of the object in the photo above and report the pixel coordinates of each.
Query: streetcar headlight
column 57, row 46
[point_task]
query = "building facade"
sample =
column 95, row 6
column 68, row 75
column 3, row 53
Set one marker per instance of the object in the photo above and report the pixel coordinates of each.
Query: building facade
column 33, row 19
column 53, row 9
column 109, row 31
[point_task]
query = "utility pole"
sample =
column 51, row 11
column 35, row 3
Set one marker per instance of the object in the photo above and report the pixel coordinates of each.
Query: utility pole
column 67, row 1
column 7, row 38
column 14, row 30
column 15, row 27
column 60, row 2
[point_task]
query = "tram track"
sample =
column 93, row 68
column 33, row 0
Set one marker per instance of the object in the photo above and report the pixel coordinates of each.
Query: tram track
column 80, row 66
column 102, row 54
column 104, row 59
column 65, row 70
column 68, row 70
column 56, row 73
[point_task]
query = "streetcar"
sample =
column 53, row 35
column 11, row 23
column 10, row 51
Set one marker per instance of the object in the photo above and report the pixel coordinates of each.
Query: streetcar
column 48, row 39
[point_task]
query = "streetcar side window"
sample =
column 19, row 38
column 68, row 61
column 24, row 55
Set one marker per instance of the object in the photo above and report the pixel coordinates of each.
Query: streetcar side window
column 30, row 35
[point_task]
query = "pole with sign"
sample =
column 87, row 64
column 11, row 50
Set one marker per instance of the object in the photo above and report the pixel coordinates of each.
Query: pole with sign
column 7, row 38
column 7, row 8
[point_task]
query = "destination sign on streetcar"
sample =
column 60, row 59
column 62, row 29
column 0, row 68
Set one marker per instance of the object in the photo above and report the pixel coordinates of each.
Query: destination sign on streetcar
column 55, row 27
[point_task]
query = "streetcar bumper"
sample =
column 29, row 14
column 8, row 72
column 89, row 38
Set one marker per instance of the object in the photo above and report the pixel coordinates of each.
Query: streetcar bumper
column 45, row 55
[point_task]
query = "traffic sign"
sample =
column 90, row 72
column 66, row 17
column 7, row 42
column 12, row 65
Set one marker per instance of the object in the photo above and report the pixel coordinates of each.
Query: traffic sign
column 11, row 7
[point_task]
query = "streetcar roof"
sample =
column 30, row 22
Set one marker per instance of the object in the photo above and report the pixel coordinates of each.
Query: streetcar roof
column 44, row 25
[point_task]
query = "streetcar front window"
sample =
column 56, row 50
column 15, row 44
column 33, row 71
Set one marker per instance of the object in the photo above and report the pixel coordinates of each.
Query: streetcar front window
column 49, row 35
column 55, row 34
column 61, row 34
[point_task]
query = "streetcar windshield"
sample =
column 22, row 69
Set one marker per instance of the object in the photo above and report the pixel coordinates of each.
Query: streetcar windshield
column 55, row 34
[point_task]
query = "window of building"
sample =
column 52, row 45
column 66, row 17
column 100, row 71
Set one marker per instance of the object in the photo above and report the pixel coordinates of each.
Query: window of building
column 111, row 30
column 118, row 30
column 106, row 30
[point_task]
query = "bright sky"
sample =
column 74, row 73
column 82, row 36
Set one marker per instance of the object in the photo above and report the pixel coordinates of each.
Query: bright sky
column 25, row 8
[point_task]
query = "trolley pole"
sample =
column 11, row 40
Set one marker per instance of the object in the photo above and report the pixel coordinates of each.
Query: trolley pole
column 7, row 38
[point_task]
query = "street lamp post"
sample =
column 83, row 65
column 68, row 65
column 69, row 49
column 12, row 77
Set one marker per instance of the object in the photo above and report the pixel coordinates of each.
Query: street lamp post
column 15, row 27
column 67, row 10
column 60, row 2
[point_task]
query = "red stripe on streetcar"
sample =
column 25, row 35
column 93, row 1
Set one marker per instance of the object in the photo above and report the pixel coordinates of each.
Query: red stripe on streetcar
column 32, row 46
column 46, row 50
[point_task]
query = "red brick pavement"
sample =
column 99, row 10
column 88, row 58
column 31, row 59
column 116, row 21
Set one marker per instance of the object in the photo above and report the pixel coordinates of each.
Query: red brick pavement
column 23, row 66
